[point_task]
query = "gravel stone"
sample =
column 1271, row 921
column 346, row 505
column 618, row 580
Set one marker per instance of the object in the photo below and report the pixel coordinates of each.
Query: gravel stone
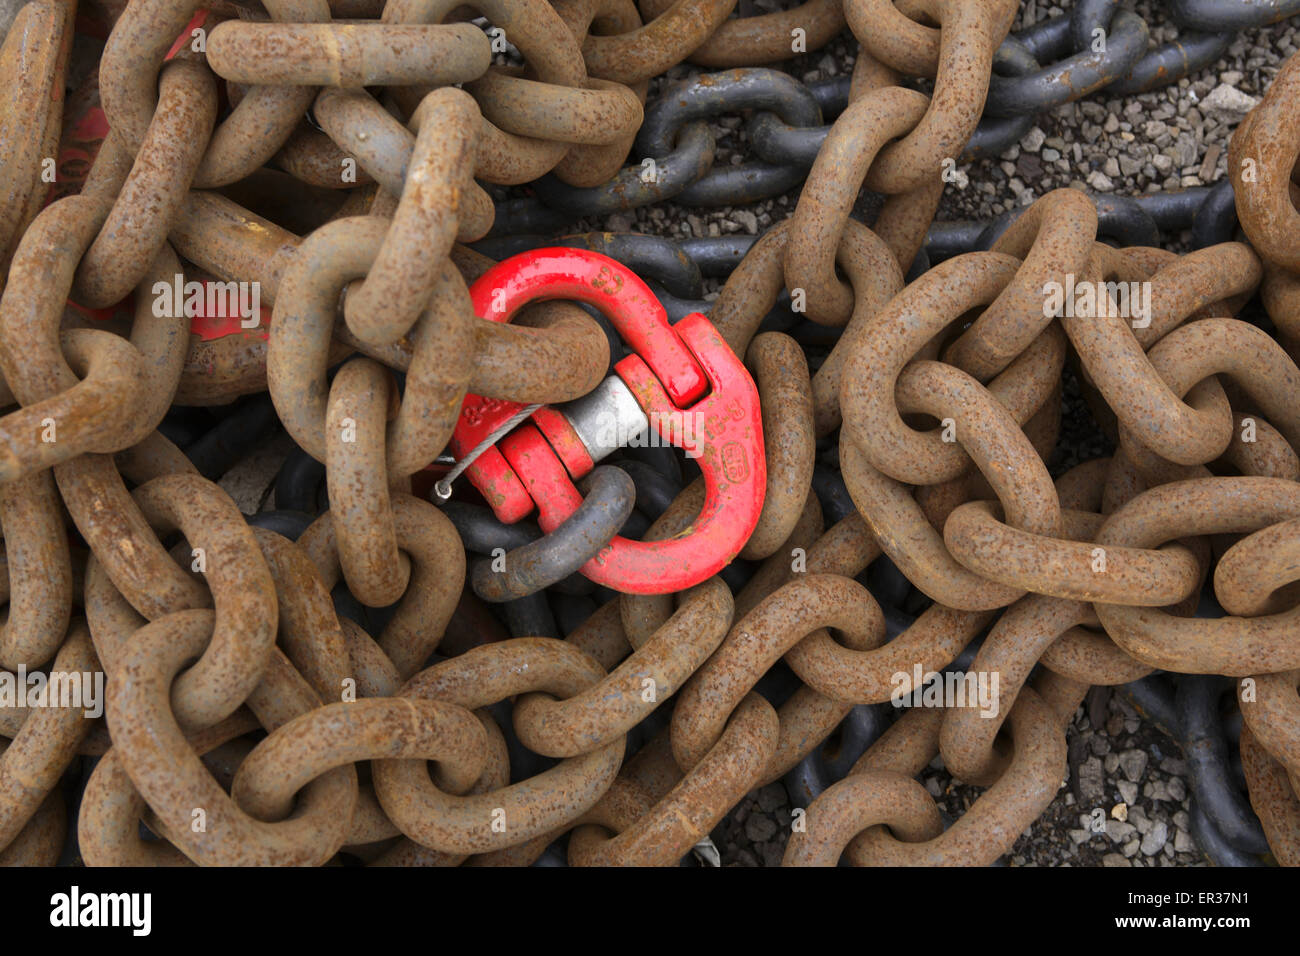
column 1120, row 832
column 1184, row 150
column 1228, row 99
column 1133, row 763
column 1177, row 789
column 771, row 797
column 1100, row 181
column 1033, row 140
column 1154, row 841
column 759, row 828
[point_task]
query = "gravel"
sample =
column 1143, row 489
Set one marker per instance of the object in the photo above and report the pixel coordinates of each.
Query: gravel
column 1167, row 139
column 1135, row 828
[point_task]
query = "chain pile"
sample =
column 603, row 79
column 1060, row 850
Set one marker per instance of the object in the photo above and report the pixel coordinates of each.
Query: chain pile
column 246, row 218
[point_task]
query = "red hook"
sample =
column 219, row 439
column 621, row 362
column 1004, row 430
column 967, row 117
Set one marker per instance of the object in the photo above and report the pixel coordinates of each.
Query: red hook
column 683, row 382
